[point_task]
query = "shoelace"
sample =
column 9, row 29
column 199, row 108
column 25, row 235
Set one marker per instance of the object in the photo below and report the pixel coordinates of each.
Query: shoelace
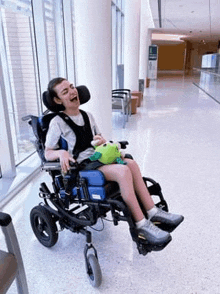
column 164, row 214
column 151, row 226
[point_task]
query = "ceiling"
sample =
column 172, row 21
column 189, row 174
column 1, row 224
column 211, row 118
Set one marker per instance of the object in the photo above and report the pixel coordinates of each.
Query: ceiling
column 196, row 20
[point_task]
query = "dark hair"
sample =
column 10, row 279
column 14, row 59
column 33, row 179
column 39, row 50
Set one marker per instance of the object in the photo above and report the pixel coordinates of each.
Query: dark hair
column 48, row 96
column 51, row 93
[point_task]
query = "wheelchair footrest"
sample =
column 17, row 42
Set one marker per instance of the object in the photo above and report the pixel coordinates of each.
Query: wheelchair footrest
column 145, row 247
column 165, row 227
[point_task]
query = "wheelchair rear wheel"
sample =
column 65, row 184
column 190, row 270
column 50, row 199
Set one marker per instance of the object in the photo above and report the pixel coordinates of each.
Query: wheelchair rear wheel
column 43, row 226
column 94, row 271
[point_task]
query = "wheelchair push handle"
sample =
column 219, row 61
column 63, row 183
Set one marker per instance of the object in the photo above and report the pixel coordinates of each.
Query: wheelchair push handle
column 27, row 117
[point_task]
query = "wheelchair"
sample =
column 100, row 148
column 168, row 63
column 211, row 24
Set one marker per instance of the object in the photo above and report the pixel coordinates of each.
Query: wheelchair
column 80, row 198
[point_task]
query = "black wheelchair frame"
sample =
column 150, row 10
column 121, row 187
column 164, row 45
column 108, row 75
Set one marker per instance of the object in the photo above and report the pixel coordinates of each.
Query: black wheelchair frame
column 78, row 212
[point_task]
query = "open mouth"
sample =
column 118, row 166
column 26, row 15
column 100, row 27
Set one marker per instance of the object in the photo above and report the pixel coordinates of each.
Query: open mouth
column 73, row 99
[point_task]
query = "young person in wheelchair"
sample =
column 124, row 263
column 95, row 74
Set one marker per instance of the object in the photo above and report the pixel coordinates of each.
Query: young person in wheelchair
column 62, row 96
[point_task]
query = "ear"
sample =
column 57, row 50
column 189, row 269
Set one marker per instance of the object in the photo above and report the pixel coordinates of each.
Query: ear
column 57, row 100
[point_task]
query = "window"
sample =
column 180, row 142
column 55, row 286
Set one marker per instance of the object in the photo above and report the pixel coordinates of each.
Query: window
column 117, row 43
column 20, row 55
column 51, row 37
column 36, row 45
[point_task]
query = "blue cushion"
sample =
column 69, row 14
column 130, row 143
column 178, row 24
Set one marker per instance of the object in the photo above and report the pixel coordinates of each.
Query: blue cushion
column 95, row 183
column 93, row 177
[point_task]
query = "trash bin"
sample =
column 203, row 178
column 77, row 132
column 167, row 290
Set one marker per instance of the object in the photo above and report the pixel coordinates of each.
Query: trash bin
column 134, row 103
column 147, row 82
column 139, row 94
column 141, row 85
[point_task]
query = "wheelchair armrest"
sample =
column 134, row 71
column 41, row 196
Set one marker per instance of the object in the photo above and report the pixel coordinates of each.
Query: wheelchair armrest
column 55, row 165
column 51, row 165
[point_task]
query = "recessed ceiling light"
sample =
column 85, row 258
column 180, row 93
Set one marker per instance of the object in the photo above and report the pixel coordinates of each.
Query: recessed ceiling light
column 167, row 37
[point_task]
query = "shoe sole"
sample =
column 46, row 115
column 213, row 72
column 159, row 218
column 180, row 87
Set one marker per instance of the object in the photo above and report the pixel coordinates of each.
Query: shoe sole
column 152, row 246
column 144, row 248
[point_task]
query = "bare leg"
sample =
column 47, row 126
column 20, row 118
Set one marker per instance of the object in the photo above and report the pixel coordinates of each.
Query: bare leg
column 123, row 176
column 139, row 185
column 129, row 179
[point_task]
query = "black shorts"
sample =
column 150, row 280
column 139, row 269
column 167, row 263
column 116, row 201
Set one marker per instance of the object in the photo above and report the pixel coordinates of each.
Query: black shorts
column 88, row 164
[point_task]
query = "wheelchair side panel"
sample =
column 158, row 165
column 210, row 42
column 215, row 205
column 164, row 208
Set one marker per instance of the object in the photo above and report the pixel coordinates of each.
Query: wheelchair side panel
column 95, row 193
column 93, row 177
column 95, row 181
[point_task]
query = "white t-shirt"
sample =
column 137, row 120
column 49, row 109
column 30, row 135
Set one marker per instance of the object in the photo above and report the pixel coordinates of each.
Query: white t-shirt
column 59, row 128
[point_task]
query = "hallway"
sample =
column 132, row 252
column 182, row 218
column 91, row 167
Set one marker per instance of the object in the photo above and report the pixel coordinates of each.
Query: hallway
column 175, row 139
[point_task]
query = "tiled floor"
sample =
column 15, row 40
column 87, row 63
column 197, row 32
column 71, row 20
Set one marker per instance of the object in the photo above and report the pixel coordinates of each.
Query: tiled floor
column 175, row 138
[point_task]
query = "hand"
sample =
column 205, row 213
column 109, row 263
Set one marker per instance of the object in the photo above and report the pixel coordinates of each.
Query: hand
column 65, row 159
column 99, row 140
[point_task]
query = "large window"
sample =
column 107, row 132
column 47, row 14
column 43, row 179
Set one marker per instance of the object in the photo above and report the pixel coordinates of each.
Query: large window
column 54, row 22
column 117, row 43
column 35, row 36
column 21, row 67
column 51, row 37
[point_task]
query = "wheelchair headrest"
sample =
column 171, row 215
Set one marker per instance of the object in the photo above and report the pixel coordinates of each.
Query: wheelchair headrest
column 84, row 96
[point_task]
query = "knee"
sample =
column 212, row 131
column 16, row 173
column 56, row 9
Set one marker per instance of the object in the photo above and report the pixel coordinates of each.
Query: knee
column 123, row 172
column 132, row 164
column 116, row 172
column 124, row 169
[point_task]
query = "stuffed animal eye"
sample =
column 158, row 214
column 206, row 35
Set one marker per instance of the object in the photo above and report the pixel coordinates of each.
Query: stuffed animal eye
column 111, row 141
column 104, row 145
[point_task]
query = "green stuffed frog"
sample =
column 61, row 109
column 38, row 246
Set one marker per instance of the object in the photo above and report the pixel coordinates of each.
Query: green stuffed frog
column 108, row 153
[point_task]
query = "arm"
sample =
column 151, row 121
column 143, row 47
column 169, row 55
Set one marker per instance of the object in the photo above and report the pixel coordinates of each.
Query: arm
column 97, row 137
column 51, row 146
column 63, row 156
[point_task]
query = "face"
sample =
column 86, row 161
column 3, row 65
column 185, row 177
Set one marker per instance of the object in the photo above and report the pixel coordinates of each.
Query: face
column 68, row 95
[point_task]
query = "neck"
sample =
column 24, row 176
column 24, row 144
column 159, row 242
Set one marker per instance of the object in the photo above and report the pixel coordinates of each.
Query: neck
column 72, row 112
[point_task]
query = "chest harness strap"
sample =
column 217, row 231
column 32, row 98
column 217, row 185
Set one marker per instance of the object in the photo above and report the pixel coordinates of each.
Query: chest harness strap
column 83, row 133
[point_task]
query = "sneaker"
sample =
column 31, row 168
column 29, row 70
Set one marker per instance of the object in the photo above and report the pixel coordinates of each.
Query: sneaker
column 168, row 221
column 152, row 234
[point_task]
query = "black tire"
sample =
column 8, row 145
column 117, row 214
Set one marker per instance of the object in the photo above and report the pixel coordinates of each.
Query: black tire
column 43, row 226
column 94, row 271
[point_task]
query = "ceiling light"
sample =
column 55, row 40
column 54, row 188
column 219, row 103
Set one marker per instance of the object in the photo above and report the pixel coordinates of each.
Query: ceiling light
column 167, row 37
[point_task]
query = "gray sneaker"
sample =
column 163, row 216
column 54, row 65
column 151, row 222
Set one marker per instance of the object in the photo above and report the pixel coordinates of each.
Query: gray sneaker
column 169, row 220
column 152, row 234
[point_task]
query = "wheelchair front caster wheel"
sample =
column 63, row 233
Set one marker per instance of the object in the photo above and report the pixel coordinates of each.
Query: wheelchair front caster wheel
column 94, row 270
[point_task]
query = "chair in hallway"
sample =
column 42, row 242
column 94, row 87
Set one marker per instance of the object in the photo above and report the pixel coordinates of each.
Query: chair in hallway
column 11, row 263
column 121, row 101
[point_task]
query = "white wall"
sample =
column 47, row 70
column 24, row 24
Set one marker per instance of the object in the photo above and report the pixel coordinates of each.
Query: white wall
column 93, row 58
column 145, row 37
column 132, row 43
